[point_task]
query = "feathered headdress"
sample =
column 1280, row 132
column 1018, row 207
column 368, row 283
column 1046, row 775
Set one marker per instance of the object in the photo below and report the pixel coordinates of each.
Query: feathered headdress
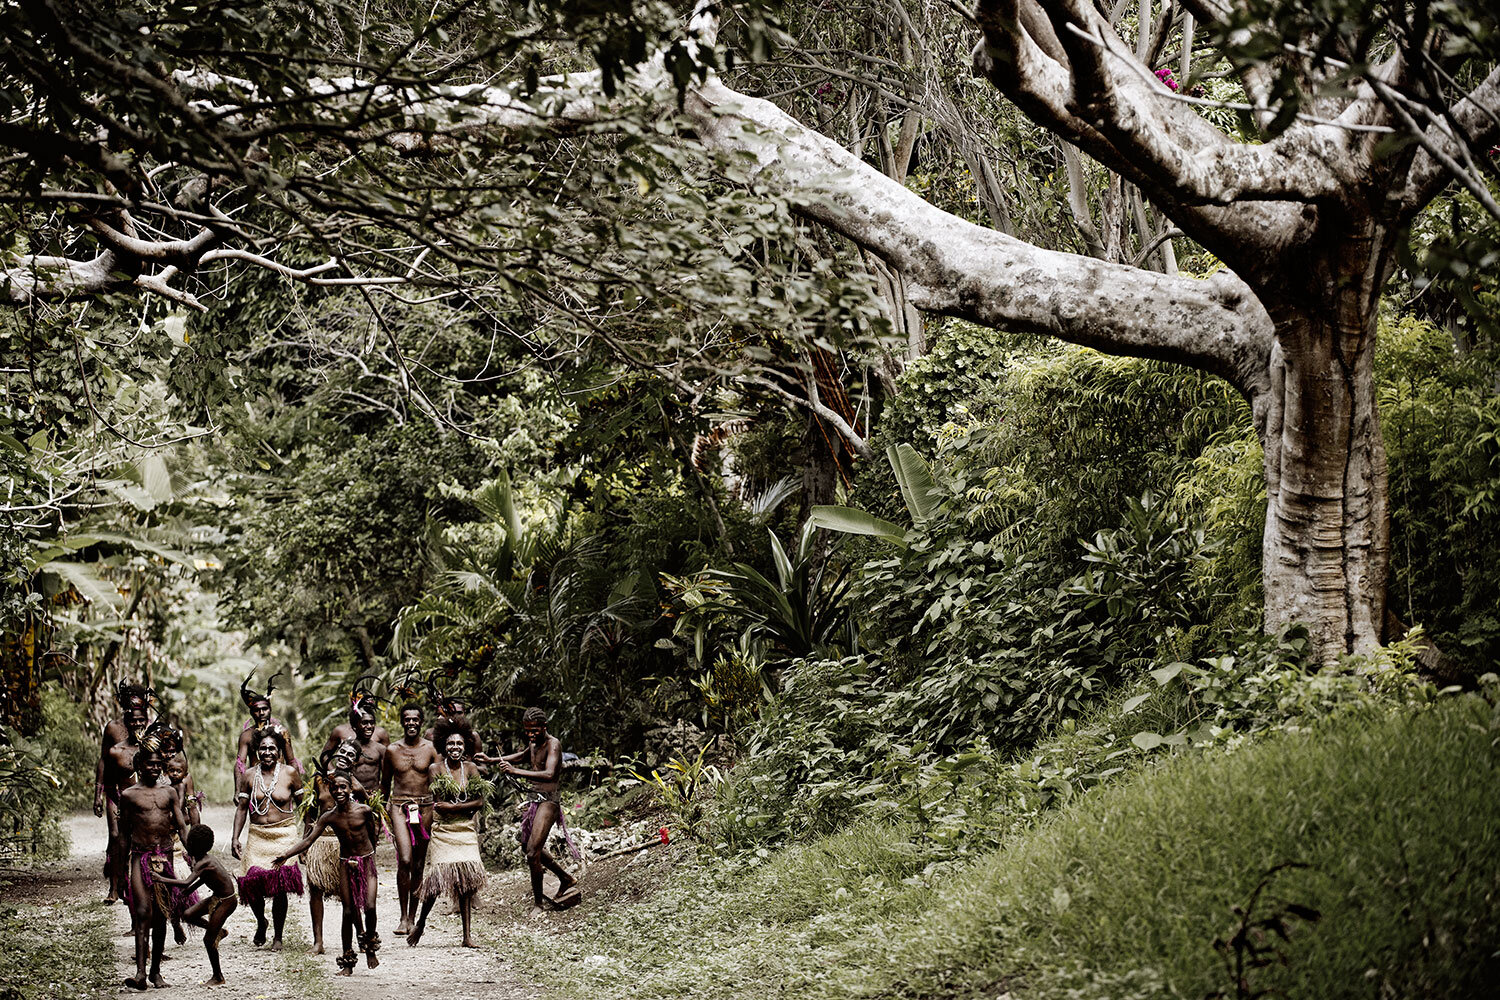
column 162, row 739
column 444, row 703
column 128, row 694
column 250, row 697
column 361, row 700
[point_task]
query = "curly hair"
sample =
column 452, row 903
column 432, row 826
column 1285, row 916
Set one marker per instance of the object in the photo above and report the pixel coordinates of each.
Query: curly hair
column 445, row 727
column 274, row 733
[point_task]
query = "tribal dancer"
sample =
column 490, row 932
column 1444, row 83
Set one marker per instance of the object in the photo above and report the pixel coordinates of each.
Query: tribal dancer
column 130, row 697
column 210, row 914
column 320, row 863
column 357, row 829
column 148, row 816
column 544, row 807
column 371, row 751
column 117, row 774
column 260, row 720
column 359, row 700
column 454, row 866
column 267, row 795
column 172, row 744
column 406, row 781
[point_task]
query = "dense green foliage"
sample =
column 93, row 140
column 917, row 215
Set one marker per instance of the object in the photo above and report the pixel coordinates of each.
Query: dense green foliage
column 1120, row 894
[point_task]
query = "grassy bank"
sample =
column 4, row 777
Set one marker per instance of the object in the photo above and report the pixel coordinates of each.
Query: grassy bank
column 1123, row 893
column 56, row 950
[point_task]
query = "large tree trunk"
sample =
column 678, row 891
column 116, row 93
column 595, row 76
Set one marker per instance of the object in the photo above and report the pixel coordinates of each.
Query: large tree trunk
column 1327, row 539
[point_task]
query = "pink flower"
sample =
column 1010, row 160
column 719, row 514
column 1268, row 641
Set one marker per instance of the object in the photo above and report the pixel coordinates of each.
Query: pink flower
column 1166, row 77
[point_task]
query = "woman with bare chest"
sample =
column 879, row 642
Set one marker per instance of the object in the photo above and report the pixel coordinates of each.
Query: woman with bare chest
column 267, row 796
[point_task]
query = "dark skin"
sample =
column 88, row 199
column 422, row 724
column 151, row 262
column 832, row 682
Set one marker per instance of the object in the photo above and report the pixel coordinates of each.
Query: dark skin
column 544, row 754
column 358, row 829
column 149, row 815
column 408, row 773
column 177, row 774
column 342, row 759
column 344, row 731
column 210, row 914
column 455, row 766
column 117, row 772
column 284, row 793
column 260, row 717
column 367, row 769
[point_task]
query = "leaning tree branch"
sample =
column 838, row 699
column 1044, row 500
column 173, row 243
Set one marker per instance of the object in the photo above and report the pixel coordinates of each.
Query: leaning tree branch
column 1436, row 163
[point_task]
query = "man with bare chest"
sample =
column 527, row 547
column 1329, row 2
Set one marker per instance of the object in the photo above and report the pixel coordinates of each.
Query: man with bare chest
column 149, row 815
column 406, row 780
column 543, row 808
column 361, row 704
column 117, row 773
column 369, row 763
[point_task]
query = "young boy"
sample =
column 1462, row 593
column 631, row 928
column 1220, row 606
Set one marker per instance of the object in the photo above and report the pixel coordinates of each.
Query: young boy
column 148, row 816
column 210, row 914
column 358, row 830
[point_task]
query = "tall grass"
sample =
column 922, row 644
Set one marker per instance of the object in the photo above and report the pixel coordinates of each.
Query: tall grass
column 1121, row 893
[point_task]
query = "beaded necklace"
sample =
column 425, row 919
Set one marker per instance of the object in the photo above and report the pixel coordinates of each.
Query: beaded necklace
column 463, row 786
column 267, row 791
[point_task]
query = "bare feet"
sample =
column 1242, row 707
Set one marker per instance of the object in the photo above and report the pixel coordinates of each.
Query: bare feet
column 370, row 960
column 178, row 934
column 276, row 945
column 416, row 934
column 135, row 983
column 260, row 935
column 158, row 982
column 470, row 943
column 110, row 899
column 344, row 972
column 213, row 981
column 317, row 948
column 403, row 928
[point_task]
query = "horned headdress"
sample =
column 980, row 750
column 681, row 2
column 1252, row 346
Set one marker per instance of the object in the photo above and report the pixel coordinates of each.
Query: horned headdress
column 249, row 697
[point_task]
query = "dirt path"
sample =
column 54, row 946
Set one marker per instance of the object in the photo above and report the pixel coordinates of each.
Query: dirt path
column 437, row 967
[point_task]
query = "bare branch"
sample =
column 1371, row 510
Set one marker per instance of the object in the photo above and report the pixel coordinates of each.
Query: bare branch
column 1477, row 114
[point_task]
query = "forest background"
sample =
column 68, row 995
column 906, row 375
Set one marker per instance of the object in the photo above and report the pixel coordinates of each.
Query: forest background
column 600, row 419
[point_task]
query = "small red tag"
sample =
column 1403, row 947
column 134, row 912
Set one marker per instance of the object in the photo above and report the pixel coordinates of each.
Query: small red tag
column 664, row 838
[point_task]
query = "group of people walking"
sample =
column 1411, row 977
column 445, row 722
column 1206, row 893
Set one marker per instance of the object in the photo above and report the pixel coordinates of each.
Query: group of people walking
column 314, row 832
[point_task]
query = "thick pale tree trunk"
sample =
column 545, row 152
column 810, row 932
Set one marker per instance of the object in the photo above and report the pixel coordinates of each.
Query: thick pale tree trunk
column 1327, row 540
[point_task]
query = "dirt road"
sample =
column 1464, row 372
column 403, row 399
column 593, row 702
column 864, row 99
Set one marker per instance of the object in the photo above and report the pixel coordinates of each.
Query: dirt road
column 437, row 967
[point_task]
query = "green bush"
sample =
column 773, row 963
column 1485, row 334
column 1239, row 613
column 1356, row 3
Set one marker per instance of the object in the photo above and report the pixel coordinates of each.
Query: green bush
column 1122, row 893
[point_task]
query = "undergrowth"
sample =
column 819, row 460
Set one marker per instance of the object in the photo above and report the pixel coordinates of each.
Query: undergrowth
column 1120, row 892
column 56, row 950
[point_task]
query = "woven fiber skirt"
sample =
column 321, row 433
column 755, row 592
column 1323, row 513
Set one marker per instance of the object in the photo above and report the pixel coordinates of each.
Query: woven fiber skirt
column 322, row 864
column 454, row 867
column 259, row 878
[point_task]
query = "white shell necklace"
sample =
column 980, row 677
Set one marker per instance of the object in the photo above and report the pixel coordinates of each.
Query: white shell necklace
column 267, row 790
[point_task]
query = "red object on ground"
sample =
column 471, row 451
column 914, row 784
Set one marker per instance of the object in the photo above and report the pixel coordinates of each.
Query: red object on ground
column 664, row 838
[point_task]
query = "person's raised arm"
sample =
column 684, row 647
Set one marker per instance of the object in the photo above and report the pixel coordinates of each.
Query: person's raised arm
column 305, row 842
column 190, row 801
column 241, row 810
column 550, row 769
